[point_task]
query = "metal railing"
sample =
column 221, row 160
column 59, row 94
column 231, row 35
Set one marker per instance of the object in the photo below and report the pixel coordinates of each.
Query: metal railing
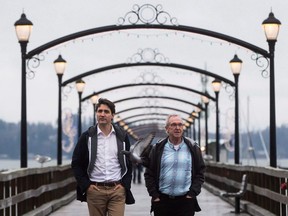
column 24, row 190
column 263, row 189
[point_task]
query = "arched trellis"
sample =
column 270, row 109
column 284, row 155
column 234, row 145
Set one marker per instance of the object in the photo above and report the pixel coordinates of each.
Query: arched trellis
column 124, row 122
column 140, row 115
column 159, row 97
column 153, row 107
column 147, row 128
column 152, row 64
column 148, row 24
column 150, row 84
column 152, row 114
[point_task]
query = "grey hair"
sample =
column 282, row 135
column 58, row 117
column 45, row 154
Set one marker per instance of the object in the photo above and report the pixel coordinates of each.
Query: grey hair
column 170, row 116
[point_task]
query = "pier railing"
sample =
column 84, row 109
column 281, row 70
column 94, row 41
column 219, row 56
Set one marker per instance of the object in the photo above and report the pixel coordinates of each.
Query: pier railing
column 263, row 189
column 28, row 191
column 25, row 190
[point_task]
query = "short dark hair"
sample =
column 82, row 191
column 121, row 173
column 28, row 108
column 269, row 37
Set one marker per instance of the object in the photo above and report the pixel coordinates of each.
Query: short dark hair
column 106, row 102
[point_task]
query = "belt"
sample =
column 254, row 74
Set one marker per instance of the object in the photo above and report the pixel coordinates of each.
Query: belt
column 171, row 196
column 107, row 184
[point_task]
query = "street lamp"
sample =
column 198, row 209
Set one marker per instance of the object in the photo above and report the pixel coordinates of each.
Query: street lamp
column 60, row 66
column 271, row 27
column 80, row 85
column 236, row 66
column 205, row 100
column 94, row 100
column 190, row 120
column 216, row 84
column 23, row 28
column 194, row 116
column 198, row 111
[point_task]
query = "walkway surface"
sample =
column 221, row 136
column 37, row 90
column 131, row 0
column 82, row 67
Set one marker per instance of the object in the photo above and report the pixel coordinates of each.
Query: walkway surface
column 210, row 204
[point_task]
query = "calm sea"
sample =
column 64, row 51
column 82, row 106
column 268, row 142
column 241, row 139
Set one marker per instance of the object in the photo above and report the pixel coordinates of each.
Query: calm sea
column 15, row 164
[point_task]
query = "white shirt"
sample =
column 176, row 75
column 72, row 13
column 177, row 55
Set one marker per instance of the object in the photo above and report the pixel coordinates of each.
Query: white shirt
column 106, row 167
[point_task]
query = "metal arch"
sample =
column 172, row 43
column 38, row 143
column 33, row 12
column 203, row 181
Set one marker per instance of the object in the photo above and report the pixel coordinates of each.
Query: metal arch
column 149, row 127
column 151, row 107
column 160, row 97
column 144, row 119
column 182, row 28
column 142, row 114
column 136, row 128
column 149, row 84
column 124, row 65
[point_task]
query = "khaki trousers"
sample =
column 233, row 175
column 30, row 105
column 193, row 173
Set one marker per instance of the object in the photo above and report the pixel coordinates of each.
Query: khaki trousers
column 106, row 201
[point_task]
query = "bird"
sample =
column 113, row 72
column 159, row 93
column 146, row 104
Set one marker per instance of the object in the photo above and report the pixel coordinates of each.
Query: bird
column 42, row 159
column 140, row 149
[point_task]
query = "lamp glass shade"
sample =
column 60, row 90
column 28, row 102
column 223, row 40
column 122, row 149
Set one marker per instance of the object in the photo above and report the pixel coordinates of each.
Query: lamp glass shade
column 60, row 65
column 23, row 28
column 271, row 31
column 80, row 85
column 216, row 84
column 94, row 99
column 271, row 27
column 198, row 109
column 126, row 127
column 190, row 120
column 236, row 65
column 194, row 114
column 205, row 99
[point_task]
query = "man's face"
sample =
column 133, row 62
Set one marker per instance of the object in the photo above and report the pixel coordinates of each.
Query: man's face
column 104, row 115
column 175, row 127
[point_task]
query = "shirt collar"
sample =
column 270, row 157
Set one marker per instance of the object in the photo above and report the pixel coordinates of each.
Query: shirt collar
column 171, row 145
column 100, row 132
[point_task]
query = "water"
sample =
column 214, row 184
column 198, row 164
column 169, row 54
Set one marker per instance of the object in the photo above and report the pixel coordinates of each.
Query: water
column 8, row 164
column 15, row 164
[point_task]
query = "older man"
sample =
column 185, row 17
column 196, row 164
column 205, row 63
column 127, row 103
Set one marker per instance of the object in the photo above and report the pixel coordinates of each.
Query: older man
column 175, row 172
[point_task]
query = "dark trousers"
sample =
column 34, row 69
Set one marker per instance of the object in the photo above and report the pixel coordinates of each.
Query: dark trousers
column 137, row 170
column 178, row 206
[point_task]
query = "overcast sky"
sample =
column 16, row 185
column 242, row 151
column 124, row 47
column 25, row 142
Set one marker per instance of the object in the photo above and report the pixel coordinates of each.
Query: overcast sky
column 51, row 20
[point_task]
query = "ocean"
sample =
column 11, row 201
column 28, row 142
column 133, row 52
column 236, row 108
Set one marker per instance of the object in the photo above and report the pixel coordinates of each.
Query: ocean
column 8, row 164
column 15, row 164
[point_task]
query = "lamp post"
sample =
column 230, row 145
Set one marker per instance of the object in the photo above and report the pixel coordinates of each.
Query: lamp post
column 271, row 27
column 205, row 100
column 190, row 120
column 194, row 116
column 236, row 66
column 216, row 84
column 23, row 29
column 80, row 85
column 198, row 111
column 94, row 100
column 60, row 66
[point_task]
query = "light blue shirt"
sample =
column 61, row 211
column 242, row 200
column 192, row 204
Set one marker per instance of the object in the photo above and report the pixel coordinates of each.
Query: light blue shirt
column 176, row 170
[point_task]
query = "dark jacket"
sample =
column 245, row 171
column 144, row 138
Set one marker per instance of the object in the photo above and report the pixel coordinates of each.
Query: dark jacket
column 82, row 166
column 152, row 172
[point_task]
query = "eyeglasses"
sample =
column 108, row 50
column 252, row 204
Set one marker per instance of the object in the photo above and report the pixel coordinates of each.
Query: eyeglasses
column 174, row 125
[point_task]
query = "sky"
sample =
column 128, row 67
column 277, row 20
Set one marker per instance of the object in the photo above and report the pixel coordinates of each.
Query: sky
column 239, row 19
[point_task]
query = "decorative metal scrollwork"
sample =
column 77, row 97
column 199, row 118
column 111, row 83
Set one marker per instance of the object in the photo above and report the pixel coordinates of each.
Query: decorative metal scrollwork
column 262, row 64
column 229, row 89
column 149, row 91
column 148, row 77
column 33, row 63
column 147, row 14
column 66, row 90
column 148, row 55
